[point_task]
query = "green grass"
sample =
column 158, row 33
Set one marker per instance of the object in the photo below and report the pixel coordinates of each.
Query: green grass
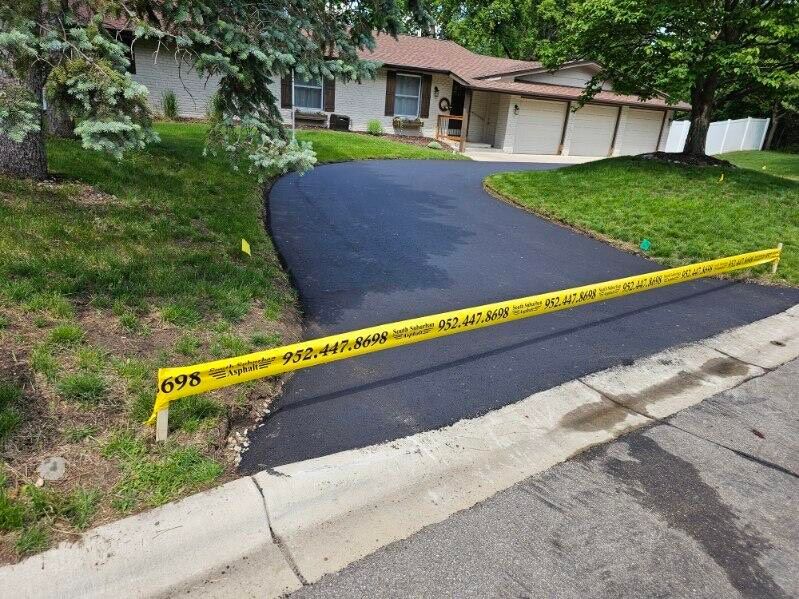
column 10, row 417
column 66, row 334
column 782, row 164
column 95, row 272
column 686, row 212
column 153, row 480
column 83, row 387
column 336, row 146
column 169, row 238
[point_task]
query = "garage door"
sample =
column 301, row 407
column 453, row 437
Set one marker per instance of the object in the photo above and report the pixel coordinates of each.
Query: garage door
column 592, row 130
column 641, row 130
column 539, row 127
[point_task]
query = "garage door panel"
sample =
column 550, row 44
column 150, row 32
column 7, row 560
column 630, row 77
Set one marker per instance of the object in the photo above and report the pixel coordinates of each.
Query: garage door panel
column 539, row 127
column 641, row 131
column 592, row 130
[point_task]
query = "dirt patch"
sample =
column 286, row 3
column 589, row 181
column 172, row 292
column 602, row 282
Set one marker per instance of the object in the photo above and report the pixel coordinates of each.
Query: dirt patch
column 687, row 159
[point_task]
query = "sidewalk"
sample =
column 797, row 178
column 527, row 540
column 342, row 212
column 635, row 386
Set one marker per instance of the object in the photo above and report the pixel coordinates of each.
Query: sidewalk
column 702, row 504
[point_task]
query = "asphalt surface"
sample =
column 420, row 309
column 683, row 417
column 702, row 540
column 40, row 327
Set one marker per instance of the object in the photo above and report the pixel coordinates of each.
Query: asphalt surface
column 701, row 506
column 374, row 242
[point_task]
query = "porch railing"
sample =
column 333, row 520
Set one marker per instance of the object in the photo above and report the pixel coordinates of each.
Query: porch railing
column 449, row 127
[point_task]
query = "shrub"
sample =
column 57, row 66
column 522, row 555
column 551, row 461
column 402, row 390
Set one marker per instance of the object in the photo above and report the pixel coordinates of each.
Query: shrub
column 434, row 145
column 374, row 127
column 169, row 105
column 216, row 108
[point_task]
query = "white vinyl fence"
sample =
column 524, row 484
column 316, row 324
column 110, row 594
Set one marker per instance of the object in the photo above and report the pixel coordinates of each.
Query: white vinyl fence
column 722, row 136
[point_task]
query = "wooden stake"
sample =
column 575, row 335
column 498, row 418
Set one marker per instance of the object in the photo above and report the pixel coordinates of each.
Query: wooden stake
column 162, row 425
column 777, row 261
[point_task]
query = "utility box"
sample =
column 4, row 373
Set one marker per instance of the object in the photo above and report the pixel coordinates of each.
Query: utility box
column 339, row 122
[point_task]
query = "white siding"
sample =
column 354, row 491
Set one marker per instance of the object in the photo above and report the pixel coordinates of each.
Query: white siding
column 505, row 128
column 360, row 101
column 483, row 117
column 160, row 72
column 573, row 77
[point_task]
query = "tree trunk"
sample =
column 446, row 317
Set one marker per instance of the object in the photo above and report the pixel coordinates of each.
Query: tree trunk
column 775, row 120
column 703, row 94
column 59, row 122
column 28, row 158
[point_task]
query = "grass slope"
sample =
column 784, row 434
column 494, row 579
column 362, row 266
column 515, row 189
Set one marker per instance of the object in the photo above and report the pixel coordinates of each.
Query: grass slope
column 686, row 212
column 122, row 268
column 781, row 164
column 334, row 146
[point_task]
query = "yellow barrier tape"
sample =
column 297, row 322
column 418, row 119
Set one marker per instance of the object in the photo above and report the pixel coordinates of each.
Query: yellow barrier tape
column 175, row 383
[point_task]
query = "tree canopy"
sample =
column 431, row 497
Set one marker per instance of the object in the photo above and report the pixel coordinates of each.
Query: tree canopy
column 74, row 51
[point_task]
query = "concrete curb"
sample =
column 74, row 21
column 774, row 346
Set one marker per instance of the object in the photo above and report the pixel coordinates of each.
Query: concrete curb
column 269, row 534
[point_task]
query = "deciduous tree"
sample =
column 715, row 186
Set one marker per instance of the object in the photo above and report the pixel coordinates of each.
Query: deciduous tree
column 687, row 49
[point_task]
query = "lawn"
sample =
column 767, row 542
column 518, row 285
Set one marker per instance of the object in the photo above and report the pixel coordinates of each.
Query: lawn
column 331, row 146
column 782, row 164
column 107, row 273
column 688, row 213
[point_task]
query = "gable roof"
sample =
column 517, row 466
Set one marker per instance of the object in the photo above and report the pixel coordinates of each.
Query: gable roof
column 487, row 73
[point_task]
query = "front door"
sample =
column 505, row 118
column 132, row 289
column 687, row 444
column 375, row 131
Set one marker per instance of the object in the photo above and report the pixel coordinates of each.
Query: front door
column 455, row 126
column 458, row 96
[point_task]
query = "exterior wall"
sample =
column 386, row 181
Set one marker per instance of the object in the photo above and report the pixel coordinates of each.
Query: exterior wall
column 365, row 101
column 664, row 138
column 160, row 72
column 505, row 135
column 361, row 102
column 483, row 117
column 573, row 77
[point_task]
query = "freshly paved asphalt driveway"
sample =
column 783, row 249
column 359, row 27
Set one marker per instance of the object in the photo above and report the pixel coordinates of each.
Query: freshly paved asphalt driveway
column 373, row 242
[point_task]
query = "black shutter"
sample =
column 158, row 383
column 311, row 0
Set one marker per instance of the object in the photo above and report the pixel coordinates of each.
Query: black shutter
column 424, row 101
column 391, row 85
column 285, row 92
column 329, row 86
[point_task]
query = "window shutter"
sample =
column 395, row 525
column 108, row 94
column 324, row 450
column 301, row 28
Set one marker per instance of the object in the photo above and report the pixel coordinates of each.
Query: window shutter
column 424, row 101
column 391, row 85
column 285, row 92
column 329, row 86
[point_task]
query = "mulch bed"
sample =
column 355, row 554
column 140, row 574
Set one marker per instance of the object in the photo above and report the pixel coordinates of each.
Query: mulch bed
column 687, row 159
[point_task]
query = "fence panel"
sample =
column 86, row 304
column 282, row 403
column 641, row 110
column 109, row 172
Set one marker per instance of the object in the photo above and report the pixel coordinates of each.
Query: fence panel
column 722, row 136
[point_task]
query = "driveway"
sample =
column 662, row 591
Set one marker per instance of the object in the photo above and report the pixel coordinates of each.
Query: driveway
column 372, row 242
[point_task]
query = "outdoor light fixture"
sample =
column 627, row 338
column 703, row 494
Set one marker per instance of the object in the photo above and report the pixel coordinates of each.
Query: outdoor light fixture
column 515, row 109
column 435, row 91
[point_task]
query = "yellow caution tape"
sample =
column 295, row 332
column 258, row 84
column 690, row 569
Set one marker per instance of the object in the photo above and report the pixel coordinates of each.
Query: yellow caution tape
column 175, row 383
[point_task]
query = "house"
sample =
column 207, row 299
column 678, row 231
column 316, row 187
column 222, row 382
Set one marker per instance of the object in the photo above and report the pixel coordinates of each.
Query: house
column 438, row 88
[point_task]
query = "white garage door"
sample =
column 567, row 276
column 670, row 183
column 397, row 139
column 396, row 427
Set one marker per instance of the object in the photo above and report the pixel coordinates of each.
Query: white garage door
column 641, row 130
column 539, row 127
column 592, row 130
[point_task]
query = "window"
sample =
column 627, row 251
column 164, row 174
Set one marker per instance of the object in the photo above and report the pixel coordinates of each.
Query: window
column 406, row 96
column 308, row 92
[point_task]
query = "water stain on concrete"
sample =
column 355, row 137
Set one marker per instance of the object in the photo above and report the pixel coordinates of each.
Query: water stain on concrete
column 674, row 490
column 593, row 417
column 679, row 383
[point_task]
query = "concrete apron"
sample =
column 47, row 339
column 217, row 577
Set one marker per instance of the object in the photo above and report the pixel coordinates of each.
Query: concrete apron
column 269, row 534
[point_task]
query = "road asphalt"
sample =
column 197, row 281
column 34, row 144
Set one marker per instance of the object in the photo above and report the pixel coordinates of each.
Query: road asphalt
column 701, row 504
column 373, row 242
